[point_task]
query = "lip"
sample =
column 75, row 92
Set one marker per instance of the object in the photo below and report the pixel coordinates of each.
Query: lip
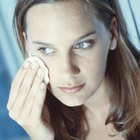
column 73, row 89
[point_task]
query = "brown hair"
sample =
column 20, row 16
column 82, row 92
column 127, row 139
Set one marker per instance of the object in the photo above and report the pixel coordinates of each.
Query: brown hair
column 122, row 70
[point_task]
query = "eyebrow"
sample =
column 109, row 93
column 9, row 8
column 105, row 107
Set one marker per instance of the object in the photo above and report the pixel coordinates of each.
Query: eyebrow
column 86, row 35
column 79, row 38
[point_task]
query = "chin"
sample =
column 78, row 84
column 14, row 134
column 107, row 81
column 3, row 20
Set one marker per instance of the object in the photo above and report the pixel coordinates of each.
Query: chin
column 72, row 103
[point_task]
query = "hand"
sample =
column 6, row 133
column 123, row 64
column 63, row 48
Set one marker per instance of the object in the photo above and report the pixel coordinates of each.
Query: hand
column 26, row 100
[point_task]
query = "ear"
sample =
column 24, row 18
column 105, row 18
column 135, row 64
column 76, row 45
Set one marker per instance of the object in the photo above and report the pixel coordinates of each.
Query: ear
column 114, row 33
column 26, row 43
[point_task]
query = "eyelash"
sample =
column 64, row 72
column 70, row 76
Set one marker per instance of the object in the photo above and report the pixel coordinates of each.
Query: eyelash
column 42, row 49
column 89, row 44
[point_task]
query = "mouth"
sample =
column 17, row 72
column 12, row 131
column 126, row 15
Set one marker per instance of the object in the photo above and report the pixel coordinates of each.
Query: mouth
column 73, row 89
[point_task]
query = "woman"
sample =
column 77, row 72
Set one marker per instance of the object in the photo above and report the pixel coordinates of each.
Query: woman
column 93, row 88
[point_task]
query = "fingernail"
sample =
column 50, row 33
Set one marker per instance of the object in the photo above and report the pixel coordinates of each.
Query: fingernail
column 26, row 64
column 42, row 86
column 39, row 72
column 33, row 65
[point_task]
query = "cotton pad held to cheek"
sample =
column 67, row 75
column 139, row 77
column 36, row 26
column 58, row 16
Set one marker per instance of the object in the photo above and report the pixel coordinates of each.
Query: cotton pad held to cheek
column 42, row 65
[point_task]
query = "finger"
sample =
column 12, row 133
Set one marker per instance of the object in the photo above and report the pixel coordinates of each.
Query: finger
column 27, row 109
column 34, row 116
column 39, row 100
column 17, row 83
column 24, row 90
column 42, row 65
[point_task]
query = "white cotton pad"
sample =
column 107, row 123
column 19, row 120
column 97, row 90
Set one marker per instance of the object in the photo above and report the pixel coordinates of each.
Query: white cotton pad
column 42, row 65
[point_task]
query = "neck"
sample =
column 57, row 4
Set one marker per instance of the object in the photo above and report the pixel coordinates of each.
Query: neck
column 97, row 106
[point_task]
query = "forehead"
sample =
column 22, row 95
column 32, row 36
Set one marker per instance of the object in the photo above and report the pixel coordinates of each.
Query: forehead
column 70, row 17
column 58, row 11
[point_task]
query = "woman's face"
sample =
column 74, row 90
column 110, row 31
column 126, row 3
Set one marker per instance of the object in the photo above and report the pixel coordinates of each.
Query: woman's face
column 74, row 45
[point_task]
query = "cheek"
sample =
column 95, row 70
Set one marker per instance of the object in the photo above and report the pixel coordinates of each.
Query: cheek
column 54, row 75
column 49, row 62
column 53, row 70
column 96, row 64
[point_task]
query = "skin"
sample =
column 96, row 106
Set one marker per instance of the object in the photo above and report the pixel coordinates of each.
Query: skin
column 62, row 32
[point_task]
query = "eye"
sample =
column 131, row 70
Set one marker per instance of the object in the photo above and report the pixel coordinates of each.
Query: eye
column 46, row 50
column 84, row 44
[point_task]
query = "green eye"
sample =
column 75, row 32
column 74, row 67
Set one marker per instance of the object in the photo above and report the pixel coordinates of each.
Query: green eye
column 84, row 45
column 47, row 50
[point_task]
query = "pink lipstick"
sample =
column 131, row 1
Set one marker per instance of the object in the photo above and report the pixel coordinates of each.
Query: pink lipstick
column 72, row 89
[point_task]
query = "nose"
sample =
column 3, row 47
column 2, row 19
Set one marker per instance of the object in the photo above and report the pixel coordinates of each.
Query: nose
column 70, row 66
column 72, row 69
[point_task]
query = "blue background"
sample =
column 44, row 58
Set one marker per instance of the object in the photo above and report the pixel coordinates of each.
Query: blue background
column 11, row 59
